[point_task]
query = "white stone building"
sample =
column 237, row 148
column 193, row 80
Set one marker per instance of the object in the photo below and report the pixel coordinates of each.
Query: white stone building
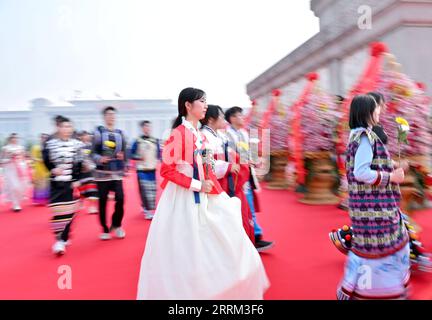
column 339, row 52
column 86, row 115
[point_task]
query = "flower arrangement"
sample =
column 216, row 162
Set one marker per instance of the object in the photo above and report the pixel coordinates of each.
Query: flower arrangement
column 319, row 116
column 408, row 101
column 279, row 127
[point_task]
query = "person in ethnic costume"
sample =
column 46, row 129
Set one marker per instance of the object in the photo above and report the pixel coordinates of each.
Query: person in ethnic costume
column 378, row 265
column 196, row 247
column 239, row 141
column 146, row 151
column 40, row 174
column 15, row 172
column 87, row 185
column 341, row 238
column 63, row 158
column 231, row 175
column 109, row 154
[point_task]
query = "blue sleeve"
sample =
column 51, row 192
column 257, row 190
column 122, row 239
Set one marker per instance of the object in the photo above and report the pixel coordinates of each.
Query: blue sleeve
column 96, row 153
column 124, row 147
column 362, row 162
column 134, row 149
column 159, row 151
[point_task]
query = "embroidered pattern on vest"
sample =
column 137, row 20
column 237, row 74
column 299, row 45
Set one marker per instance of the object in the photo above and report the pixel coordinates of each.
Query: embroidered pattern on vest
column 377, row 225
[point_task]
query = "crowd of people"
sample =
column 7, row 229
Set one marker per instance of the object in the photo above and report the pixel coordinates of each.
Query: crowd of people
column 71, row 171
column 205, row 220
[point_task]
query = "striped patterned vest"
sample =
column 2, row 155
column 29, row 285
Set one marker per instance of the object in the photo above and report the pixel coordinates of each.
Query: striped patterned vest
column 378, row 229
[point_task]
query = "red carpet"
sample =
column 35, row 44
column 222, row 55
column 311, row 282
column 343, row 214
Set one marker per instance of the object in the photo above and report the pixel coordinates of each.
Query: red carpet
column 302, row 265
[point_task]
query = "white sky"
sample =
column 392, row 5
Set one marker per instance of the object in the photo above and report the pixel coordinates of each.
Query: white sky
column 144, row 48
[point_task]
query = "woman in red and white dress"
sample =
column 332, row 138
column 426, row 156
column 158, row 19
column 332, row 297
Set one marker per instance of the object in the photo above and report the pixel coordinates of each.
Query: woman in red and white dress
column 231, row 175
column 197, row 248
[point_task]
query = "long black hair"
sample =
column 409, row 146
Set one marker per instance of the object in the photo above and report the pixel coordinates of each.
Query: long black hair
column 213, row 112
column 378, row 129
column 361, row 111
column 186, row 95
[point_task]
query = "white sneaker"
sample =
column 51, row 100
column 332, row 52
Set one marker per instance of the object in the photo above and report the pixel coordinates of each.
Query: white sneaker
column 427, row 204
column 119, row 233
column 148, row 216
column 93, row 210
column 59, row 247
column 105, row 236
column 16, row 208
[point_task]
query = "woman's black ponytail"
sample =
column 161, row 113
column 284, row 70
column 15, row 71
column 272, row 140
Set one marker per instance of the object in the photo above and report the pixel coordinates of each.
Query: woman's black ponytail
column 177, row 121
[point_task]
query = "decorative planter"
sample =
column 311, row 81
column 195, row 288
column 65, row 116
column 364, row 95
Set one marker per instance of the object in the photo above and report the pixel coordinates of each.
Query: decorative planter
column 279, row 160
column 410, row 189
column 320, row 185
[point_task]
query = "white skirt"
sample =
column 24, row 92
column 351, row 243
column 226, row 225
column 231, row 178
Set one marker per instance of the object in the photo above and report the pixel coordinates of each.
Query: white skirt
column 199, row 251
column 15, row 186
column 382, row 278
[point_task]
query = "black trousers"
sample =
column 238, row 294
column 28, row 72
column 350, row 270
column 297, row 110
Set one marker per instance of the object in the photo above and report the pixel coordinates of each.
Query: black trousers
column 104, row 187
column 63, row 207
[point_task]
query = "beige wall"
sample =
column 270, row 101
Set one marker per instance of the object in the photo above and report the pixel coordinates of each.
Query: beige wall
column 412, row 46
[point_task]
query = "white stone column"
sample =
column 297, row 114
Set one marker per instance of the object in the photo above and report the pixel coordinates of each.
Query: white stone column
column 336, row 78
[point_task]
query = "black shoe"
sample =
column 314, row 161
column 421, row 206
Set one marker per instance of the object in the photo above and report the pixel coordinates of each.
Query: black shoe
column 343, row 207
column 262, row 245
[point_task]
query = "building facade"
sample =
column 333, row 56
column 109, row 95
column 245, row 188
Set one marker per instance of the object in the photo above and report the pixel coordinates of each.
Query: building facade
column 87, row 115
column 339, row 52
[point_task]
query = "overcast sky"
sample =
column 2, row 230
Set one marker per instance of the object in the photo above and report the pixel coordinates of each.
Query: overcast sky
column 144, row 48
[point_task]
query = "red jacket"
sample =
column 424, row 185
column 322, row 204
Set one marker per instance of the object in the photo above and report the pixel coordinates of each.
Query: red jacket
column 181, row 147
column 239, row 180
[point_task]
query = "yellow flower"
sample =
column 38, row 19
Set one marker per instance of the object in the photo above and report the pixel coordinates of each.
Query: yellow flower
column 402, row 121
column 323, row 107
column 110, row 144
column 408, row 93
column 281, row 110
column 243, row 145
